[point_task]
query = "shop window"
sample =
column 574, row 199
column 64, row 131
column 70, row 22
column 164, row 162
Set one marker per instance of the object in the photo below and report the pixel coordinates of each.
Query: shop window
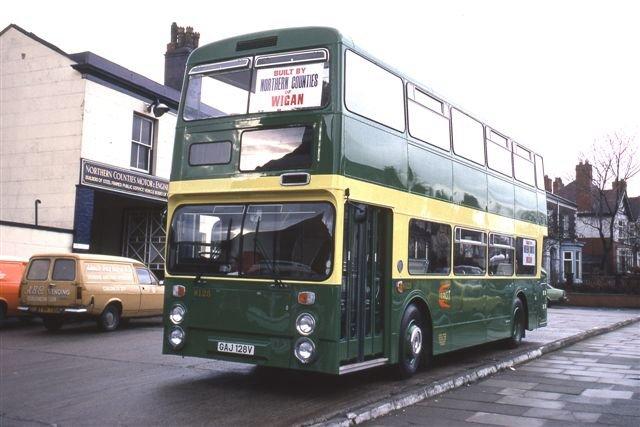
column 429, row 247
column 141, row 143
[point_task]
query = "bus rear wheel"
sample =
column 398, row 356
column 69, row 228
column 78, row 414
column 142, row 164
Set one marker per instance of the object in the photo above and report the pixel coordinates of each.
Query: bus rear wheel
column 518, row 324
column 412, row 340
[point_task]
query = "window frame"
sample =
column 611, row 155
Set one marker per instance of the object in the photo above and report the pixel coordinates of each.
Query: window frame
column 460, row 240
column 409, row 258
column 512, row 247
column 444, row 113
column 516, row 151
column 140, row 143
column 453, row 138
column 535, row 258
column 505, row 146
column 374, row 63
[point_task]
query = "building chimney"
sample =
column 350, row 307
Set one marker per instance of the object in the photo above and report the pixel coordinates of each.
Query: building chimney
column 584, row 191
column 557, row 185
column 183, row 42
column 547, row 184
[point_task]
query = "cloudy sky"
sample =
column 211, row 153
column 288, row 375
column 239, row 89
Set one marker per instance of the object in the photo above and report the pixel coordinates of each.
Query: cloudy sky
column 554, row 75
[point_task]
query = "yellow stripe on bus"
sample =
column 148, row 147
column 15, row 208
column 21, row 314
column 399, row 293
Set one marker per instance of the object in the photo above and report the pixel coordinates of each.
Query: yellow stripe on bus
column 331, row 188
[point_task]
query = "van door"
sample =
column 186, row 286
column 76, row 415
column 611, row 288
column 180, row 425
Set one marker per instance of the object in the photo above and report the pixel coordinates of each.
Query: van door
column 151, row 293
column 61, row 289
column 34, row 292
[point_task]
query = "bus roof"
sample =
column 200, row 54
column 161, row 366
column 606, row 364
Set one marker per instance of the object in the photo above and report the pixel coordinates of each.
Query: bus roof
column 267, row 42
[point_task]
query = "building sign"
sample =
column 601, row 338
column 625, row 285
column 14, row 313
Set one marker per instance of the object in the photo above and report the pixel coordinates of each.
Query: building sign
column 287, row 88
column 111, row 178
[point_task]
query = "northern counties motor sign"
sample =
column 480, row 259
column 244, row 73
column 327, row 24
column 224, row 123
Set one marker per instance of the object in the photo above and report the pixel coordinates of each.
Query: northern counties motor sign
column 94, row 174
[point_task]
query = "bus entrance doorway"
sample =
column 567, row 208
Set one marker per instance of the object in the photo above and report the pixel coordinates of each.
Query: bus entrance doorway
column 367, row 248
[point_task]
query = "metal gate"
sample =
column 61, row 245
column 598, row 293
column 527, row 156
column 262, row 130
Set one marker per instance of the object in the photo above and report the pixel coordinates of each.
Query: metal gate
column 145, row 237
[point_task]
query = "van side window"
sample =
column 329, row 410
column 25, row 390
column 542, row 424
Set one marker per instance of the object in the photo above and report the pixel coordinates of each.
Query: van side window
column 64, row 269
column 39, row 269
column 143, row 276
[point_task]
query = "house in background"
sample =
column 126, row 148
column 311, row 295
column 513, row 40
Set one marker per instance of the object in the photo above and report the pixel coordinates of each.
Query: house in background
column 562, row 251
column 634, row 230
column 595, row 211
column 86, row 149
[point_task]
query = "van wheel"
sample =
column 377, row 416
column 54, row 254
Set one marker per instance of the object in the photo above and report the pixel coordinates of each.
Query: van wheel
column 518, row 325
column 412, row 338
column 52, row 323
column 109, row 320
column 3, row 313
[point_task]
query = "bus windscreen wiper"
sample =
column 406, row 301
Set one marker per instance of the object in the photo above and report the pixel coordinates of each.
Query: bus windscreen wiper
column 270, row 263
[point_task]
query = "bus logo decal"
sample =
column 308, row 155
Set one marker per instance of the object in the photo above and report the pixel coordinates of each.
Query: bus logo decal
column 444, row 295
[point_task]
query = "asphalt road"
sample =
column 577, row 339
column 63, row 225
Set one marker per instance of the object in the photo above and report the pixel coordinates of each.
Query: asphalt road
column 82, row 377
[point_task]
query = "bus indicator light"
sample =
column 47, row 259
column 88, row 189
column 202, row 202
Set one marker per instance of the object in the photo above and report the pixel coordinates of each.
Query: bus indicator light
column 306, row 298
column 178, row 291
column 400, row 286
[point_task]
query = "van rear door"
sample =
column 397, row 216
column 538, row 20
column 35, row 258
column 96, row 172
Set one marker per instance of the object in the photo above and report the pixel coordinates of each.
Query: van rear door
column 34, row 291
column 61, row 290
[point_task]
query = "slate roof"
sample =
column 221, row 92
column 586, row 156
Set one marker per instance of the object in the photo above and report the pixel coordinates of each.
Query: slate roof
column 604, row 201
column 111, row 73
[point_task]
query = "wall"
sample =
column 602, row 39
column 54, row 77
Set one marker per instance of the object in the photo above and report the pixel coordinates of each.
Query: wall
column 108, row 121
column 40, row 131
column 24, row 242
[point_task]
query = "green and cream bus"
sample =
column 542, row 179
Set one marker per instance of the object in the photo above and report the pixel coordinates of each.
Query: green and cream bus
column 327, row 213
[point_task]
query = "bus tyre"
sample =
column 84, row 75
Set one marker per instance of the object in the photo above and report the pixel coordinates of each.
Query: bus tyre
column 109, row 320
column 411, row 342
column 52, row 323
column 518, row 324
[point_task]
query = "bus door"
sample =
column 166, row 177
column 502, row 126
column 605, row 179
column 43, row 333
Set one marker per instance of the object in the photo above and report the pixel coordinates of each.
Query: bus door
column 366, row 258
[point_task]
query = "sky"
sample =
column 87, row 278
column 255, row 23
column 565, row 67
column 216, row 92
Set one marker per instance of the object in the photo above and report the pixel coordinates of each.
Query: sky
column 556, row 76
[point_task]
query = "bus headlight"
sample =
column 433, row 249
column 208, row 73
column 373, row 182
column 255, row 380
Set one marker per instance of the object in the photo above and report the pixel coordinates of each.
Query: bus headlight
column 176, row 315
column 305, row 350
column 305, row 324
column 177, row 337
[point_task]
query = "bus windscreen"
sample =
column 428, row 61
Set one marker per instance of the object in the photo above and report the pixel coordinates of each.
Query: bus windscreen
column 284, row 240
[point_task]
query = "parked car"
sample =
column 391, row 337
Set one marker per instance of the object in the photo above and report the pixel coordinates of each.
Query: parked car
column 555, row 295
column 108, row 289
column 11, row 270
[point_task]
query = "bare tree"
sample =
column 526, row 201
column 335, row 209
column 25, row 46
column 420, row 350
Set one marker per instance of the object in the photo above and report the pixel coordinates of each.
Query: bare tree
column 615, row 161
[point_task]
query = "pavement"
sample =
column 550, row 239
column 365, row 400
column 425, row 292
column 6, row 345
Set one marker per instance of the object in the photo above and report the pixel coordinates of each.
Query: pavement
column 594, row 382
column 82, row 377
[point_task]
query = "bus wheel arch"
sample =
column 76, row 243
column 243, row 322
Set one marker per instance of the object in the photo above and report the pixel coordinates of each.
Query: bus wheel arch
column 523, row 299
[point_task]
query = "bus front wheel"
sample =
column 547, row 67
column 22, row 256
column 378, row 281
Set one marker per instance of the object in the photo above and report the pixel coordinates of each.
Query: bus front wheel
column 412, row 342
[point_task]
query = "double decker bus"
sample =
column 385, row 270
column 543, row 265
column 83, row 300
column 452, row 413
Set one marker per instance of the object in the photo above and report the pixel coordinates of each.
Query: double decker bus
column 327, row 213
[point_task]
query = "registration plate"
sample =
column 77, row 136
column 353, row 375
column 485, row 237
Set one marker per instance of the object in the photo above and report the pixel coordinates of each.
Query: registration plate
column 46, row 309
column 230, row 347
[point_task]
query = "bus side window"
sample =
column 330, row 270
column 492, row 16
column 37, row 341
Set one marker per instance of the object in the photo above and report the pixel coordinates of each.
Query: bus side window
column 501, row 251
column 429, row 247
column 470, row 252
column 525, row 257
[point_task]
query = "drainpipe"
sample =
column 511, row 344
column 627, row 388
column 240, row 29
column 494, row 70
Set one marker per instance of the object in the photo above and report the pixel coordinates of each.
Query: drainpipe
column 36, row 203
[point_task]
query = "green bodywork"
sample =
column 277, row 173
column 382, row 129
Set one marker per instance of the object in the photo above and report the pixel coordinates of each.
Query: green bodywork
column 263, row 314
